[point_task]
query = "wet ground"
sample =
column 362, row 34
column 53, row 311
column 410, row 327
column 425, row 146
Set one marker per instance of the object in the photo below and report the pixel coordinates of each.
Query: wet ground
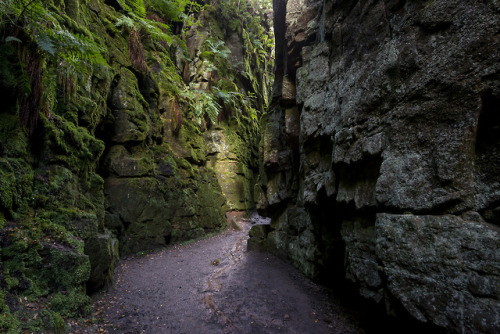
column 216, row 286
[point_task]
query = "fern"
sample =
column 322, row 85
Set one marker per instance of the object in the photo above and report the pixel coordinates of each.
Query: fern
column 125, row 21
column 9, row 39
column 42, row 26
column 158, row 31
column 172, row 10
column 135, row 7
column 42, row 39
column 201, row 104
column 218, row 49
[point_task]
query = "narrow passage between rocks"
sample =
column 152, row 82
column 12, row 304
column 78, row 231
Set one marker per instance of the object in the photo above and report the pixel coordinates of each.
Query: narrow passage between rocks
column 215, row 286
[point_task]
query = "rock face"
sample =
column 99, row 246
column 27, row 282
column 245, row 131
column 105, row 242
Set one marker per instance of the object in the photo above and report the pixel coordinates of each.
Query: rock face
column 236, row 179
column 381, row 153
column 119, row 136
column 161, row 195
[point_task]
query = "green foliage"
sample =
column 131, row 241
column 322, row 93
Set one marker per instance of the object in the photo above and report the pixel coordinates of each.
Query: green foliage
column 215, row 57
column 42, row 25
column 202, row 103
column 172, row 10
column 156, row 30
column 16, row 182
column 247, row 17
column 77, row 149
column 8, row 322
column 12, row 72
column 218, row 49
column 44, row 320
column 134, row 6
column 136, row 18
column 38, row 32
column 72, row 304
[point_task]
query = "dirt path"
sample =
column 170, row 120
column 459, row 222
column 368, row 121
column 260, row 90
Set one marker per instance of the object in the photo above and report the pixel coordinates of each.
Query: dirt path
column 215, row 286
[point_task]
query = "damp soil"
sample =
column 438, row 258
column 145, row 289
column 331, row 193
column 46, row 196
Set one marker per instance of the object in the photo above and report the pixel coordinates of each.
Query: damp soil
column 215, row 285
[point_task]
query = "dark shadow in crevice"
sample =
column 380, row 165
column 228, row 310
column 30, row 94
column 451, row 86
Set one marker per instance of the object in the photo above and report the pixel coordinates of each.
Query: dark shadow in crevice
column 488, row 157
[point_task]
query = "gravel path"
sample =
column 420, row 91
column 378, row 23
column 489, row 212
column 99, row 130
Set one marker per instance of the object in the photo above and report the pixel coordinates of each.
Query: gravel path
column 215, row 286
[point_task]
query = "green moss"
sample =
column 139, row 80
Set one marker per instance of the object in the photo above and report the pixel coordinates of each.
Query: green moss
column 56, row 186
column 16, row 181
column 46, row 212
column 193, row 142
column 13, row 140
column 94, row 197
column 8, row 323
column 70, row 145
column 45, row 321
column 82, row 224
column 73, row 304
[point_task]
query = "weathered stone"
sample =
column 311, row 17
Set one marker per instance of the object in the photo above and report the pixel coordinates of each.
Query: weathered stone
column 125, row 95
column 277, row 188
column 270, row 142
column 103, row 255
column 216, row 142
column 121, row 163
column 443, row 269
column 361, row 261
column 130, row 126
column 142, row 207
column 235, row 179
column 319, row 177
column 68, row 268
column 302, row 18
column 288, row 92
column 236, row 56
column 292, row 237
column 227, row 158
column 258, row 238
column 292, row 127
column 60, row 221
column 399, row 105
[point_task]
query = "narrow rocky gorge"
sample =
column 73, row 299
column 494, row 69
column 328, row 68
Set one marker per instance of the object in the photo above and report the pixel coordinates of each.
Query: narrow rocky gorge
column 367, row 131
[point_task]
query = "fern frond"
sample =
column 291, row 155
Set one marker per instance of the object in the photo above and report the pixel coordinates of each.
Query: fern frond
column 125, row 21
column 9, row 39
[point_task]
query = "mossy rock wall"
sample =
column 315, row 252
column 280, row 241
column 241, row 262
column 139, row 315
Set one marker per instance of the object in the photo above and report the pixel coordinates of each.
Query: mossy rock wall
column 119, row 164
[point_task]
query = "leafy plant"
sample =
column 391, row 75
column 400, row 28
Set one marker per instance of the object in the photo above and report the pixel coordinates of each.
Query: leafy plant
column 201, row 104
column 172, row 10
column 248, row 19
column 156, row 30
column 39, row 38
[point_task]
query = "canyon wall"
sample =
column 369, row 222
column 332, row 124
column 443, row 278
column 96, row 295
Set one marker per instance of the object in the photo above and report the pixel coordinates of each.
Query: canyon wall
column 145, row 133
column 381, row 153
